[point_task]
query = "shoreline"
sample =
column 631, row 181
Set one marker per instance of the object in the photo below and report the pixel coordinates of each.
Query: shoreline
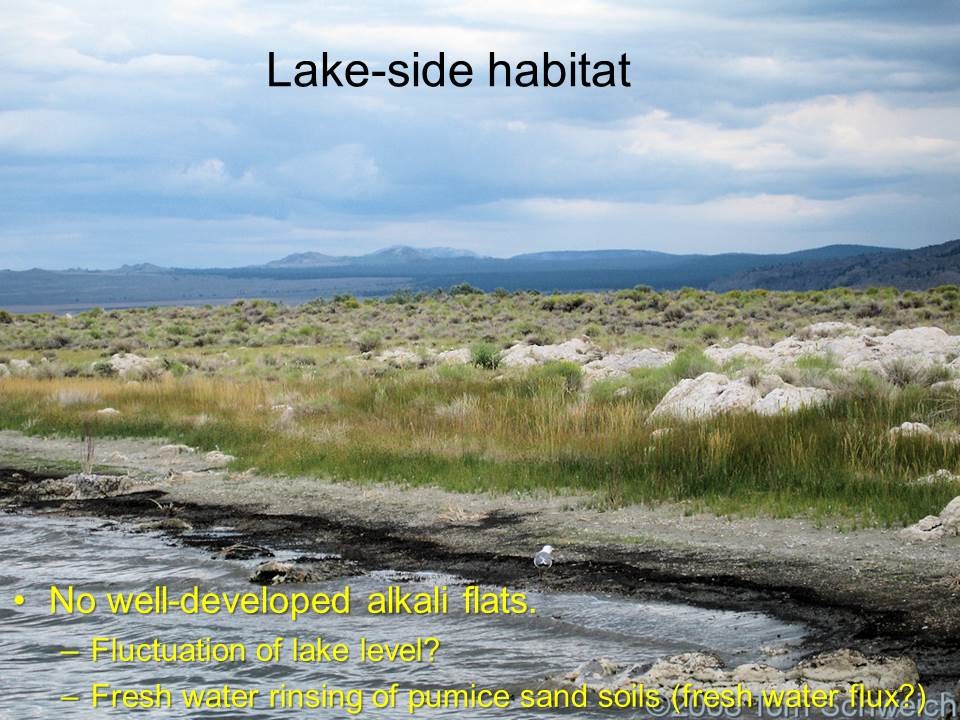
column 866, row 590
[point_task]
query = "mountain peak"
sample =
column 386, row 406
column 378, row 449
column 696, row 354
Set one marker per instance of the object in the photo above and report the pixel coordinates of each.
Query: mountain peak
column 141, row 268
column 435, row 253
column 306, row 259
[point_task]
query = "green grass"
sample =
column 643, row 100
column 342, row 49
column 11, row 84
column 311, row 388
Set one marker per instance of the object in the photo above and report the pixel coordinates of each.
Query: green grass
column 461, row 316
column 464, row 431
column 485, row 355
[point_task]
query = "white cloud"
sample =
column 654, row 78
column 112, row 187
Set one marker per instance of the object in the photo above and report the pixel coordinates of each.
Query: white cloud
column 342, row 171
column 401, row 40
column 731, row 209
column 211, row 171
column 47, row 132
column 860, row 132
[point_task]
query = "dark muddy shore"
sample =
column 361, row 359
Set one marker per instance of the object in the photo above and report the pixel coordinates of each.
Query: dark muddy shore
column 894, row 613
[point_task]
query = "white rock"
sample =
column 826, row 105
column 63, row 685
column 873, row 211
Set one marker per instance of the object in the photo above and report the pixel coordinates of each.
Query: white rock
column 400, row 358
column 622, row 392
column 704, row 396
column 946, row 386
column 714, row 394
column 757, row 675
column 108, row 412
column 696, row 667
column 459, row 356
column 788, row 399
column 950, row 516
column 132, row 366
column 81, row 487
column 4, row 370
column 930, row 341
column 911, row 429
column 925, row 530
column 174, row 450
column 578, row 350
column 833, row 670
column 620, row 364
column 721, row 355
column 852, row 347
column 936, row 527
column 941, row 475
column 19, row 367
column 215, row 458
column 766, row 384
column 840, row 669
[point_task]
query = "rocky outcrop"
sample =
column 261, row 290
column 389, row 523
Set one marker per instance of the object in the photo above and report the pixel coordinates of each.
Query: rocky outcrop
column 303, row 570
column 169, row 451
column 244, row 551
column 842, row 668
column 704, row 396
column 936, row 527
column 859, row 348
column 78, row 487
column 19, row 367
column 947, row 385
column 789, row 399
column 108, row 412
column 578, row 350
column 721, row 355
column 713, row 394
column 897, row 355
column 215, row 458
column 911, row 430
column 616, row 365
column 131, row 366
column 834, row 670
column 400, row 358
column 458, row 356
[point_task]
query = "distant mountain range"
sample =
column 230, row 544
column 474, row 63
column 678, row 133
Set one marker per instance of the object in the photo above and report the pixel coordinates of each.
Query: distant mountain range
column 386, row 256
column 303, row 276
column 909, row 269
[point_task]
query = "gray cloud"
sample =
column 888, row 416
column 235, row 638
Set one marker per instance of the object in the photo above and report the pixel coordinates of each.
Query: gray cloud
column 149, row 134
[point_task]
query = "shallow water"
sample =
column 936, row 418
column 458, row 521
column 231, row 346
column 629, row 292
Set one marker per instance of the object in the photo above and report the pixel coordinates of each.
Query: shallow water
column 492, row 651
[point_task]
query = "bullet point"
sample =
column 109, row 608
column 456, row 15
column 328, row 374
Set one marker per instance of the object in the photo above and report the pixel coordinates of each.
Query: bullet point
column 19, row 600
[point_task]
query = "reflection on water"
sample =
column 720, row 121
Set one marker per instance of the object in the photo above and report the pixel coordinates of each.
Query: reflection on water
column 492, row 651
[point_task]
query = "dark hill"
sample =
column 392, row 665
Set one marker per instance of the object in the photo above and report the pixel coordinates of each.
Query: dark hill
column 910, row 269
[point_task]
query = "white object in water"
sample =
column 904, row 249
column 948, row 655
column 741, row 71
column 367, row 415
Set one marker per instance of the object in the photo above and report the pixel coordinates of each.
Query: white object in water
column 543, row 558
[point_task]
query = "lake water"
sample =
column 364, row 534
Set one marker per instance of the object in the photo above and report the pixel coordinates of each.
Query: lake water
column 492, row 651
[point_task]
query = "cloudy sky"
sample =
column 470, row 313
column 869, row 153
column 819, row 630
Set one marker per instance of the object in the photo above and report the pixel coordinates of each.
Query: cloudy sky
column 134, row 132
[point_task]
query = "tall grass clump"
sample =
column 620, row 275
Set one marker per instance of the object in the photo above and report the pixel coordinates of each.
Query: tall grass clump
column 562, row 375
column 485, row 355
column 690, row 363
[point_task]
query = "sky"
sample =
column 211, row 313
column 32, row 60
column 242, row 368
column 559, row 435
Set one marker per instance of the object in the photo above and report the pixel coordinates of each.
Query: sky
column 146, row 132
